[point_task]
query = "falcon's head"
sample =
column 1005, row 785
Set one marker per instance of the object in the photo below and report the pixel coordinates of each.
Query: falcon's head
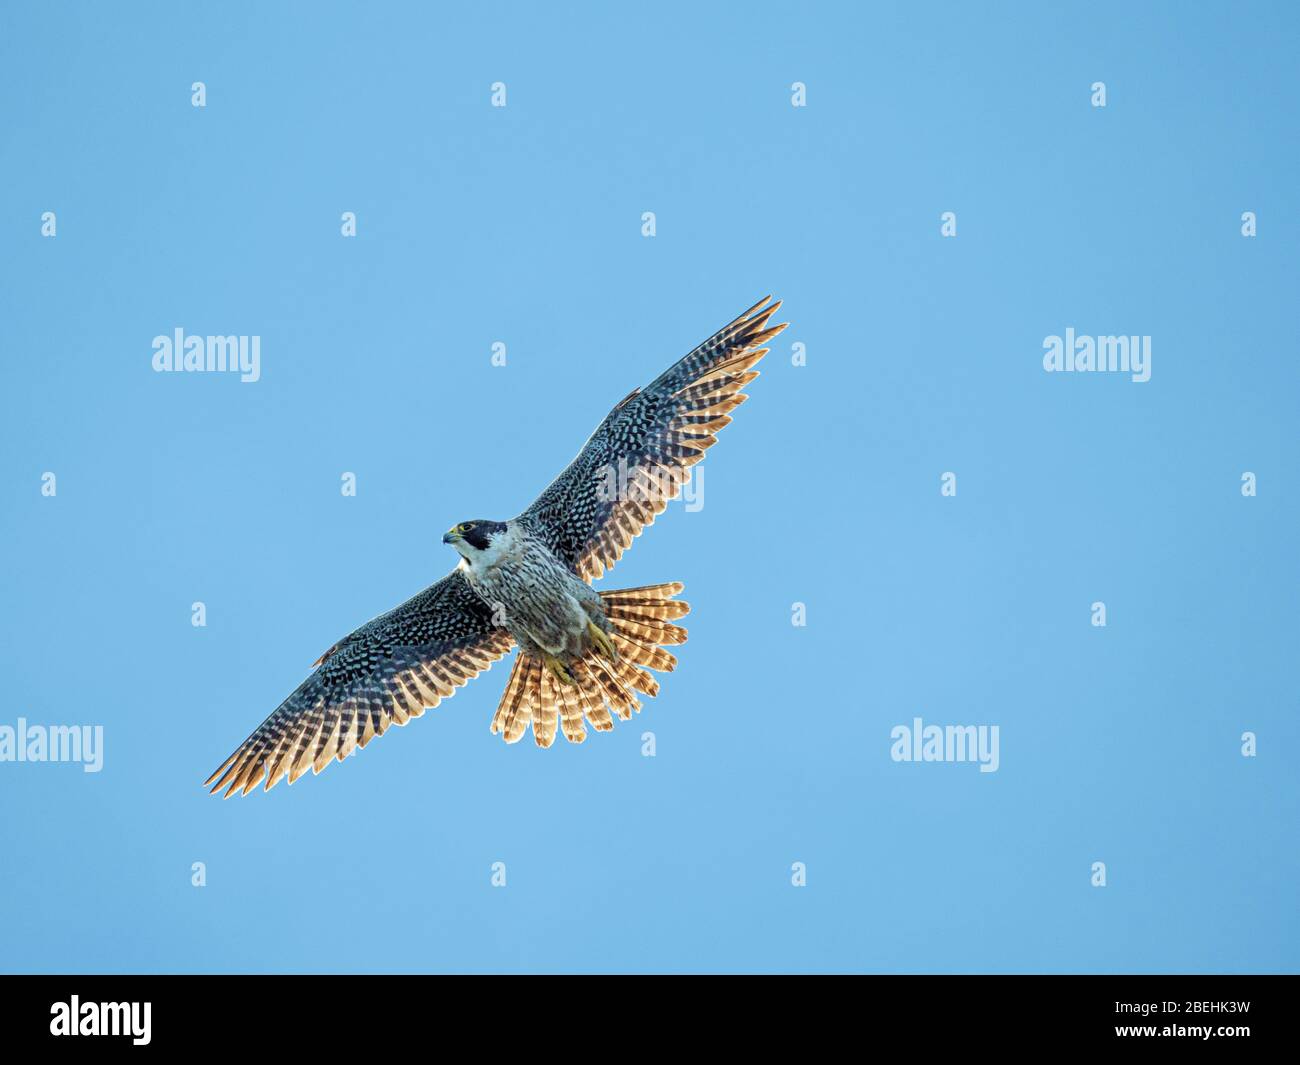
column 479, row 542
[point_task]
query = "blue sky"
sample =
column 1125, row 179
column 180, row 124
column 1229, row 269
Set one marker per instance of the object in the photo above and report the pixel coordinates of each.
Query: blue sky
column 522, row 225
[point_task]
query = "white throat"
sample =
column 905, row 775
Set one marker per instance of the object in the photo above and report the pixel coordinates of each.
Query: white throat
column 502, row 547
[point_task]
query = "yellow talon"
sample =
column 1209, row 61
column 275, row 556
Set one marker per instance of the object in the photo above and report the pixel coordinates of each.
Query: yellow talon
column 558, row 669
column 601, row 641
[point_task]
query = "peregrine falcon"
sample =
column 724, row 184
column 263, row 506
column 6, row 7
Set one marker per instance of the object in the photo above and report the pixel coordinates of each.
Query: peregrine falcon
column 583, row 654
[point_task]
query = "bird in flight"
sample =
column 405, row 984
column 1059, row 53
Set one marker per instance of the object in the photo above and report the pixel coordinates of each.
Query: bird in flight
column 583, row 654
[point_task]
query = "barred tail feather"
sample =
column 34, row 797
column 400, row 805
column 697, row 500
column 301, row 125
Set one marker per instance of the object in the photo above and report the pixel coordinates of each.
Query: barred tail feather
column 641, row 625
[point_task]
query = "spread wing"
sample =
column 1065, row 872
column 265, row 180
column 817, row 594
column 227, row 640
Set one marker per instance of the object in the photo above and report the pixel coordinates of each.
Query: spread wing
column 642, row 453
column 386, row 672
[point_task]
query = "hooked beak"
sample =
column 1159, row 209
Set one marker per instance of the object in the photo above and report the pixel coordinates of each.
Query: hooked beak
column 451, row 536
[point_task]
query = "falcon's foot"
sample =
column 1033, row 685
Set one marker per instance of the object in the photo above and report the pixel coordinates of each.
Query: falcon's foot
column 601, row 642
column 558, row 669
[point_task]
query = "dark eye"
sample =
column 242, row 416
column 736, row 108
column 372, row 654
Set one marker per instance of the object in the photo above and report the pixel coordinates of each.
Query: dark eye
column 467, row 526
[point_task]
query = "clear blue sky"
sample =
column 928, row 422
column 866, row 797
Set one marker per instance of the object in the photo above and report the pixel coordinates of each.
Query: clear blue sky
column 523, row 225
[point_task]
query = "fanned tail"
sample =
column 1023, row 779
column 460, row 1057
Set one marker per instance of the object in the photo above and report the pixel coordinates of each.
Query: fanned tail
column 641, row 626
